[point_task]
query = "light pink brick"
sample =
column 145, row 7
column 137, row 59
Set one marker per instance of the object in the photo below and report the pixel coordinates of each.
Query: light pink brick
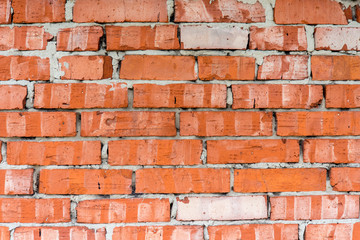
column 337, row 39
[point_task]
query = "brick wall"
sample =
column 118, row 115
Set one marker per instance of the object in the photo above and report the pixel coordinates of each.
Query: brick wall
column 179, row 119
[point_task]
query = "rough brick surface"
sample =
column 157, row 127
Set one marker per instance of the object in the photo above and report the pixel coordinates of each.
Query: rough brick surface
column 5, row 11
column 333, row 231
column 79, row 39
column 16, row 182
column 337, row 39
column 342, row 96
column 345, row 179
column 12, row 96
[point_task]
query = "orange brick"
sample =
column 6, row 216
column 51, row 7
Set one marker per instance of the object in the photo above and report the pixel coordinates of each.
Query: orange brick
column 182, row 180
column 59, row 233
column 16, row 182
column 335, row 67
column 254, row 231
column 345, row 179
column 280, row 180
column 318, row 123
column 54, row 153
column 334, row 231
column 252, row 151
column 225, row 123
column 24, row 68
column 161, row 37
column 150, row 67
column 288, row 67
column 126, row 11
column 180, row 96
column 37, row 124
column 4, row 231
column 85, row 181
column 123, row 210
column 12, row 96
column 282, row 38
column 128, row 124
column 160, row 232
column 86, row 67
column 85, row 38
column 314, row 207
column 24, row 38
column 155, row 152
column 38, row 11
column 309, row 12
column 342, row 96
column 332, row 150
column 226, row 68
column 27, row 210
column 80, row 95
column 219, row 11
column 276, row 96
column 5, row 11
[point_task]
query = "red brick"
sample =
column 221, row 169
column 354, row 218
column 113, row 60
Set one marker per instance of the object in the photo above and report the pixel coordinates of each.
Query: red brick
column 252, row 151
column 342, row 96
column 288, row 67
column 159, row 232
column 337, row 39
column 182, row 180
column 276, row 231
column 16, row 182
column 282, row 38
column 314, row 207
column 120, row 11
column 54, row 153
column 115, row 124
column 180, row 96
column 280, row 180
column 37, row 124
column 85, row 181
column 27, row 210
column 357, row 13
column 332, row 150
column 345, row 179
column 24, row 68
column 155, row 152
column 309, row 12
column 221, row 208
column 4, row 231
column 38, row 11
column 150, row 67
column 86, row 67
column 336, row 231
column 5, row 11
column 225, row 123
column 162, row 37
column 59, row 233
column 85, row 38
column 123, row 210
column 226, row 68
column 335, row 67
column 276, row 96
column 218, row 11
column 12, row 96
column 23, row 38
column 213, row 37
column 318, row 123
column 80, row 95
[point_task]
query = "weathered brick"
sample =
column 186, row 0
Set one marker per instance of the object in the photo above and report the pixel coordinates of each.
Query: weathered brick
column 155, row 152
column 226, row 68
column 54, row 153
column 16, row 182
column 221, row 208
column 150, row 67
column 218, row 11
column 252, row 151
column 337, row 39
column 336, row 231
column 282, row 38
column 128, row 124
column 4, row 231
column 180, row 96
column 182, row 180
column 85, row 181
column 12, row 96
column 123, row 210
column 162, row 37
column 342, row 96
column 5, row 11
column 213, row 37
column 225, row 124
column 80, row 95
column 85, row 38
column 345, row 179
column 280, row 180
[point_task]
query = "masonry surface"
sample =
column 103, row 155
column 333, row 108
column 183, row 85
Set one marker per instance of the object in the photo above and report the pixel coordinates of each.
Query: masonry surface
column 179, row 119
